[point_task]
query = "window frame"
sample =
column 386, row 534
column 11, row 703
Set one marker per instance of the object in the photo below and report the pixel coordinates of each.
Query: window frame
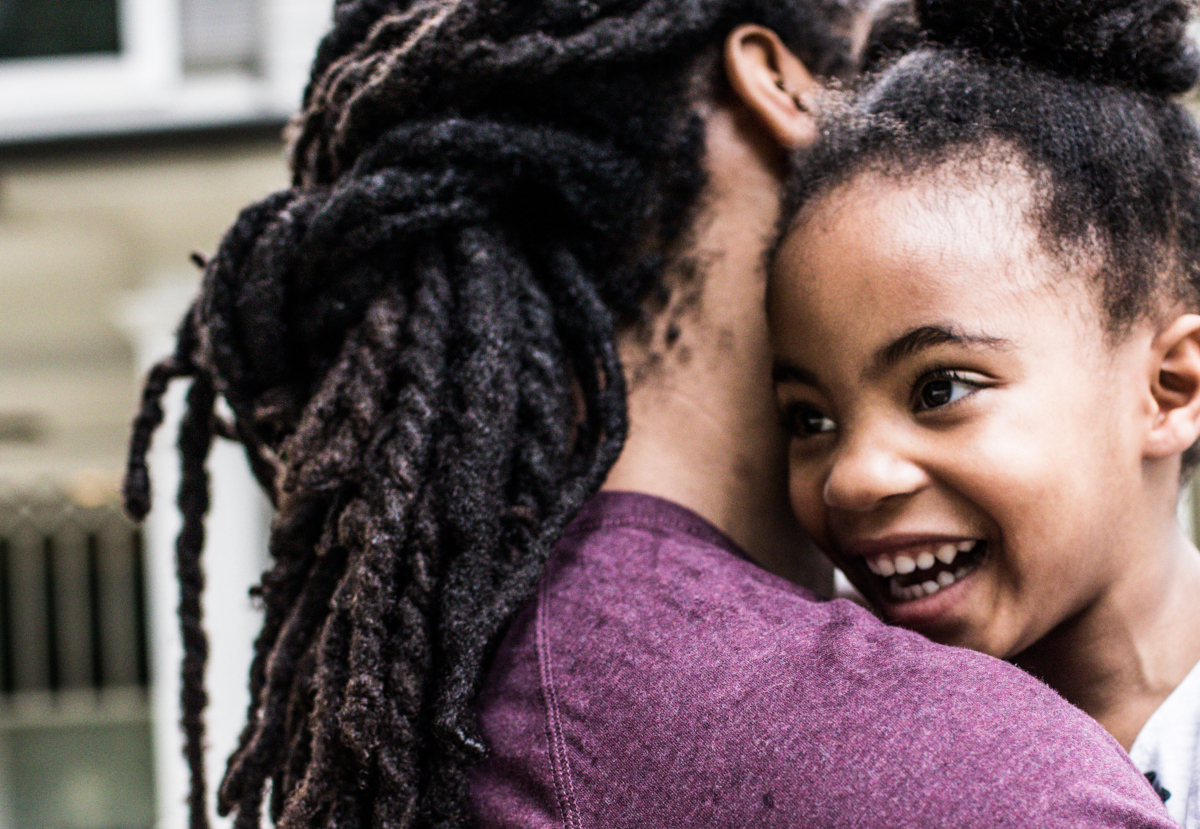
column 58, row 94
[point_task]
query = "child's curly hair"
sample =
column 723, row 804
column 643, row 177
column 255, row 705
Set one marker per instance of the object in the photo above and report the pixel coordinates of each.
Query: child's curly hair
column 1079, row 92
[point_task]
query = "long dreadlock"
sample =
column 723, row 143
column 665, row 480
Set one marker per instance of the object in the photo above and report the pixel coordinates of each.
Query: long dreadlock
column 416, row 341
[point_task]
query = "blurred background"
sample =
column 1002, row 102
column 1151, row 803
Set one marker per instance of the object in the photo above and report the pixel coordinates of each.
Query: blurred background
column 131, row 133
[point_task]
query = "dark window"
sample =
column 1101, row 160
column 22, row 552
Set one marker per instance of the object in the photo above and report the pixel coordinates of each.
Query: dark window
column 58, row 28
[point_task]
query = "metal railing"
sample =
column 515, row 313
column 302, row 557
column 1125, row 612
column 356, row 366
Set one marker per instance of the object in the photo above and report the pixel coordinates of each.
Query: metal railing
column 72, row 597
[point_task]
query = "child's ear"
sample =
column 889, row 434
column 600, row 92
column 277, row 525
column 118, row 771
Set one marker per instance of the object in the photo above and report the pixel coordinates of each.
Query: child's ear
column 773, row 83
column 1175, row 388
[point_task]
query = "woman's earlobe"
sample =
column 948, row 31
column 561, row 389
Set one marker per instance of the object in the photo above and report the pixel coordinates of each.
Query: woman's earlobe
column 773, row 83
column 1175, row 388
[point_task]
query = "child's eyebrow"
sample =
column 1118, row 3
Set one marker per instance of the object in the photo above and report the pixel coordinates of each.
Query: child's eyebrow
column 918, row 339
column 788, row 373
column 907, row 344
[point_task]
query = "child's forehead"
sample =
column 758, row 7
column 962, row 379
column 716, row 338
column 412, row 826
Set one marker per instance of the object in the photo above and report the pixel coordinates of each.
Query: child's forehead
column 926, row 246
column 998, row 193
column 960, row 213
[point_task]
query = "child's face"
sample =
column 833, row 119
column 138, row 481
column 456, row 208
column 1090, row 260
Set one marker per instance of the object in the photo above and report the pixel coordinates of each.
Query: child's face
column 965, row 437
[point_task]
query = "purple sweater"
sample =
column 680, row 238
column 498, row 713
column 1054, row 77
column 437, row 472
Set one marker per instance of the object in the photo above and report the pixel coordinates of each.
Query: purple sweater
column 662, row 680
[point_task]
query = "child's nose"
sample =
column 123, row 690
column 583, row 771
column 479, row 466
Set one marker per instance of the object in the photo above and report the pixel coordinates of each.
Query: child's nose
column 868, row 470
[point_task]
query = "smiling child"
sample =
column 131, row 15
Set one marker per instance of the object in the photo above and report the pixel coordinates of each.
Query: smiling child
column 984, row 316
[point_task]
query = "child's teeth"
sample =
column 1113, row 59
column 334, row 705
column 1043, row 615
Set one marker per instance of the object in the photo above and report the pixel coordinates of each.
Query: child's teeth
column 925, row 559
column 926, row 588
column 946, row 553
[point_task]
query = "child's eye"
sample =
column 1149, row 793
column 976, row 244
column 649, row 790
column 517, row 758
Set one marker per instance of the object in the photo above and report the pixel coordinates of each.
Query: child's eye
column 942, row 388
column 803, row 420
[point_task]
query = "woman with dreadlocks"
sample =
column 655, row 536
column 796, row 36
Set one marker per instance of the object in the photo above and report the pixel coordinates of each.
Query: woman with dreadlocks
column 521, row 259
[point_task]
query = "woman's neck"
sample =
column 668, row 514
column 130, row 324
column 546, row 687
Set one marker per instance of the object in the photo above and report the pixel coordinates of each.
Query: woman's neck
column 703, row 426
column 1121, row 657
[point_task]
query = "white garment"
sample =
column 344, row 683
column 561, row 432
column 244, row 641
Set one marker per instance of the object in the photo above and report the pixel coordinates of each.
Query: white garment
column 1169, row 746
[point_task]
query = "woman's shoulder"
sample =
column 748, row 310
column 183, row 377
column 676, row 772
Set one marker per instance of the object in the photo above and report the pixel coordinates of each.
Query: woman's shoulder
column 660, row 674
column 644, row 577
column 649, row 580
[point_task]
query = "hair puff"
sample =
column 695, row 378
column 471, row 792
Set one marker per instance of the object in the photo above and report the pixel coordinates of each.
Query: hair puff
column 1141, row 44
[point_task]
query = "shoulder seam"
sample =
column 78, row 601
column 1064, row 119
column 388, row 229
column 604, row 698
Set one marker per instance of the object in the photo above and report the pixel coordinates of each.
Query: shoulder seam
column 560, row 767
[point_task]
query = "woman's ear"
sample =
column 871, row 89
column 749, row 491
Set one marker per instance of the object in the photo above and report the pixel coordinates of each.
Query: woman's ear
column 1175, row 388
column 773, row 83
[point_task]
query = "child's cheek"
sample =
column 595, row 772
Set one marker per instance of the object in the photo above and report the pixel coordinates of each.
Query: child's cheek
column 806, row 487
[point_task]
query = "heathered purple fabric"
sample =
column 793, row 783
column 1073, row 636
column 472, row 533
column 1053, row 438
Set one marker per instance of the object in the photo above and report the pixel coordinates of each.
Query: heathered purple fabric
column 662, row 680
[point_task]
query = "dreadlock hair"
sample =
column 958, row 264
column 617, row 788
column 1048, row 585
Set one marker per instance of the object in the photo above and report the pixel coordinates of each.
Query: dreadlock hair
column 416, row 342
column 1076, row 92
